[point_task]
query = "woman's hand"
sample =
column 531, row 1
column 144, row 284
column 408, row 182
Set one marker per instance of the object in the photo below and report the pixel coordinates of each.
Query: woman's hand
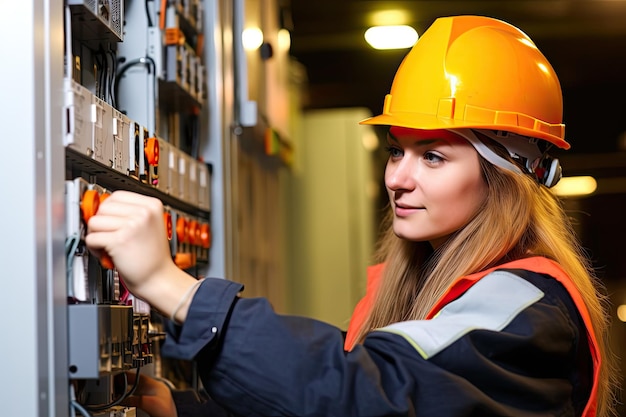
column 152, row 396
column 129, row 227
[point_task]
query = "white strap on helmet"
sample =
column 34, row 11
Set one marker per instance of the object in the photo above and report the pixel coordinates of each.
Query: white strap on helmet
column 486, row 151
column 526, row 150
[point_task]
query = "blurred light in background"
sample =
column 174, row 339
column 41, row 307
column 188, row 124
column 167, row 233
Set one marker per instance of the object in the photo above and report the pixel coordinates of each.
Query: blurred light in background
column 575, row 186
column 252, row 38
column 391, row 37
column 370, row 140
column 284, row 40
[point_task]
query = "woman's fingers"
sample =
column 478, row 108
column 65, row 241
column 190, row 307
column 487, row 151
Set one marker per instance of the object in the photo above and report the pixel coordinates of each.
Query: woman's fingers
column 129, row 228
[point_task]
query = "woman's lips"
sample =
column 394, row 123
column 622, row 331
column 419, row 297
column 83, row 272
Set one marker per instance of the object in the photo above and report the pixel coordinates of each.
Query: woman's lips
column 402, row 210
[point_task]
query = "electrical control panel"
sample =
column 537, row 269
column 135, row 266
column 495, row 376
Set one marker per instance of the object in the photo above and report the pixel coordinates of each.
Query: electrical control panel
column 130, row 123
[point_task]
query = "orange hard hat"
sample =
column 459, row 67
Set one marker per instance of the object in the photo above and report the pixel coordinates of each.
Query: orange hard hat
column 479, row 73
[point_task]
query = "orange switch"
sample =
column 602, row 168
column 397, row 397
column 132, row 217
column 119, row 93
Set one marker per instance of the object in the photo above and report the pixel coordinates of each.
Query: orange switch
column 197, row 237
column 184, row 260
column 205, row 235
column 181, row 230
column 193, row 230
column 89, row 204
column 167, row 218
column 151, row 149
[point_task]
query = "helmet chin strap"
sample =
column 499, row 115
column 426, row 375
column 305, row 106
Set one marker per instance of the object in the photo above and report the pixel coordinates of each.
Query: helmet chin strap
column 544, row 168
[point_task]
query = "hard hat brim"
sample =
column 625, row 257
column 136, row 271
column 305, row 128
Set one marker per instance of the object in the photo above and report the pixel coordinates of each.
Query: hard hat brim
column 429, row 122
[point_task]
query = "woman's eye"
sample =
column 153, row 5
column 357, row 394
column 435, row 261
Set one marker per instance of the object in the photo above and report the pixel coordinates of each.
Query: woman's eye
column 394, row 152
column 432, row 157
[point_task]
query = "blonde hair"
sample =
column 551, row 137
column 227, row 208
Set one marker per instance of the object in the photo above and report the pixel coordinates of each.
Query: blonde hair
column 518, row 218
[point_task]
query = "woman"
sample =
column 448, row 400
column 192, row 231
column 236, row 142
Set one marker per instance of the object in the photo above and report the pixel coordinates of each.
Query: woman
column 483, row 303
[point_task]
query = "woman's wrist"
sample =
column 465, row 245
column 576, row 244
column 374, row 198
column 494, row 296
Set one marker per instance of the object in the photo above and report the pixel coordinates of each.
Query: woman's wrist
column 170, row 291
column 179, row 314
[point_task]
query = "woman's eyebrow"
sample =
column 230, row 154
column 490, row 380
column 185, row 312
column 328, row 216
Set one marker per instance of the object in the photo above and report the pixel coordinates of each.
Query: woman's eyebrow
column 423, row 142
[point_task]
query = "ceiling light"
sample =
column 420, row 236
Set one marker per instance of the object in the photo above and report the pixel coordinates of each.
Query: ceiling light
column 575, row 186
column 391, row 37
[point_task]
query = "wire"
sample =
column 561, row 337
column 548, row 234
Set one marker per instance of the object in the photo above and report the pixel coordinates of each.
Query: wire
column 71, row 246
column 123, row 397
column 150, row 24
column 80, row 408
column 111, row 78
column 145, row 60
column 104, row 75
column 75, row 404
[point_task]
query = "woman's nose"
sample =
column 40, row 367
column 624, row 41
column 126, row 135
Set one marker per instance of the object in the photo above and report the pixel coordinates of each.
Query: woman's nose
column 400, row 175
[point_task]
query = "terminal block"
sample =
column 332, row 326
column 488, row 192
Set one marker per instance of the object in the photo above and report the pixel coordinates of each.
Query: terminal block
column 141, row 344
column 136, row 153
column 102, row 131
column 121, row 138
column 77, row 120
column 204, row 186
column 162, row 166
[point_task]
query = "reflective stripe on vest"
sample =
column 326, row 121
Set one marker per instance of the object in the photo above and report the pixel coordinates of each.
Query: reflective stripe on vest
column 491, row 304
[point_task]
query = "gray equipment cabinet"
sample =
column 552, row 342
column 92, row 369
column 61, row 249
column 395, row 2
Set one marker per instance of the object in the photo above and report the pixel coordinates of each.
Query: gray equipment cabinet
column 34, row 379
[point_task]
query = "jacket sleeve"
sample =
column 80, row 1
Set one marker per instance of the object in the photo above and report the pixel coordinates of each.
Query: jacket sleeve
column 496, row 350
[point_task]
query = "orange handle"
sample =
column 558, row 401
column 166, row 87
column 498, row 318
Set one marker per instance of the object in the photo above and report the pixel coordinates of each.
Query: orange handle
column 192, row 231
column 205, row 235
column 89, row 204
column 106, row 261
column 151, row 150
column 182, row 230
column 167, row 217
column 183, row 260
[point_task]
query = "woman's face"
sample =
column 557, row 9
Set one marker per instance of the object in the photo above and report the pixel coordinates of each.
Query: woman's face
column 434, row 182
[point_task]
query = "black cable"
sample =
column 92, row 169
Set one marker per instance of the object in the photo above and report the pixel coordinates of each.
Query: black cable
column 122, row 397
column 98, row 72
column 150, row 24
column 112, row 72
column 101, row 61
column 105, row 73
column 126, row 67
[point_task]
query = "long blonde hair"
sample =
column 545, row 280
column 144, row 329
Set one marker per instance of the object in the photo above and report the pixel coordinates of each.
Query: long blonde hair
column 518, row 218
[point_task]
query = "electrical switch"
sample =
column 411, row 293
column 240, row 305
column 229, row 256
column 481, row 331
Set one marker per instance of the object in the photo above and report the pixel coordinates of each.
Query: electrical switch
column 167, row 218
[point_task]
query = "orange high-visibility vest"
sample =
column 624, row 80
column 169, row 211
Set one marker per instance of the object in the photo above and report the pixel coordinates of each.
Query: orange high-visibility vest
column 536, row 264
